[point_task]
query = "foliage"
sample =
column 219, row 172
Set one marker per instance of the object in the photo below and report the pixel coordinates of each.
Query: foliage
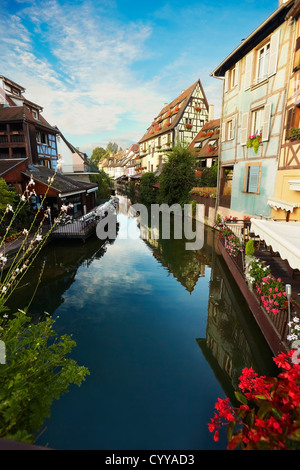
column 254, row 141
column 7, row 196
column 98, row 154
column 249, row 249
column 272, row 294
column 36, row 372
column 147, row 192
column 256, row 270
column 268, row 417
column 209, row 176
column 104, row 184
column 233, row 245
column 178, row 175
column 294, row 133
column 294, row 326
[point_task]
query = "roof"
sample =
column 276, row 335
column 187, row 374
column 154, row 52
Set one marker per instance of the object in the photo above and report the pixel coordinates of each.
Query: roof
column 209, row 132
column 260, row 33
column 62, row 184
column 172, row 111
column 21, row 113
column 9, row 164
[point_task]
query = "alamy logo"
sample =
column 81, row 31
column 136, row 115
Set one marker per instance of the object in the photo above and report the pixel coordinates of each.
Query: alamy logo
column 158, row 223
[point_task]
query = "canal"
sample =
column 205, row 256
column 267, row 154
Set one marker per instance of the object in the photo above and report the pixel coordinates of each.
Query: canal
column 163, row 330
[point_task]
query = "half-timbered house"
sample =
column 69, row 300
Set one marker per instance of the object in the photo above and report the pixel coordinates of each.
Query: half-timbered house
column 180, row 120
column 285, row 202
column 254, row 78
column 28, row 145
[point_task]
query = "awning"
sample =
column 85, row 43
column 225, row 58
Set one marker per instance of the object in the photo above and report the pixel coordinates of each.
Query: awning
column 284, row 205
column 283, row 237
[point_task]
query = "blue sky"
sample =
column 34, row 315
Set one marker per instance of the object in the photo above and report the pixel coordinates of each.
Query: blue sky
column 102, row 70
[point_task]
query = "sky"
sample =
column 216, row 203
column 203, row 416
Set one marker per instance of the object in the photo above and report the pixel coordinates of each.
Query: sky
column 102, row 70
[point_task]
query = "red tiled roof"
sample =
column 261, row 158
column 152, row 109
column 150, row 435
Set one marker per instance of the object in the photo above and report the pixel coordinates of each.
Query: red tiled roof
column 204, row 136
column 19, row 113
column 171, row 109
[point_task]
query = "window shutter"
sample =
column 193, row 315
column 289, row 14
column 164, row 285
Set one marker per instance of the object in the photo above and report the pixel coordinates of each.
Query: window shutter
column 266, row 122
column 253, row 179
column 237, row 74
column 274, row 47
column 226, row 86
column 223, row 132
column 248, row 71
column 244, row 129
column 233, row 128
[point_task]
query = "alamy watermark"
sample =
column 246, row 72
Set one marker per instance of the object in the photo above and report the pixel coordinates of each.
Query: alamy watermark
column 158, row 223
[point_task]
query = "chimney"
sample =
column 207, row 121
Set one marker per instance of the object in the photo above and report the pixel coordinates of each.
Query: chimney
column 211, row 112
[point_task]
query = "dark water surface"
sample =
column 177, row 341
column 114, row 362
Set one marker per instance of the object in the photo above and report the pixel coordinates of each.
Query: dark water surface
column 164, row 332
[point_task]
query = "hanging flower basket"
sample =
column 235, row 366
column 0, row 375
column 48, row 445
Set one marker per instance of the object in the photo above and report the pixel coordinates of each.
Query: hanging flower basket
column 168, row 124
column 176, row 109
column 157, row 128
column 254, row 141
column 209, row 133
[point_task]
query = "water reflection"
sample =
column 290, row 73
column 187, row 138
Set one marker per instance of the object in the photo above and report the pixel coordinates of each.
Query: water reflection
column 163, row 330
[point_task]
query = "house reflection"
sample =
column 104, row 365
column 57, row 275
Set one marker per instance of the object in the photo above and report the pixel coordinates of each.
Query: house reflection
column 233, row 339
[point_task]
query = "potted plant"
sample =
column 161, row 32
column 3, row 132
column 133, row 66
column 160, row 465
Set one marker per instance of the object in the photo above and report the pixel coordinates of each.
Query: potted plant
column 254, row 141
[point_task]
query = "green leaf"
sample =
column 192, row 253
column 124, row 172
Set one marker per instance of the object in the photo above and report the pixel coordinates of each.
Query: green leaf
column 264, row 409
column 241, row 398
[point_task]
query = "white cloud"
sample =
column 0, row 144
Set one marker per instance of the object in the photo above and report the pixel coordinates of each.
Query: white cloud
column 81, row 70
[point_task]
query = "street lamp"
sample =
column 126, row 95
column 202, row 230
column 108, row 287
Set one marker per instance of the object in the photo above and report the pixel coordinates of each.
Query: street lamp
column 288, row 290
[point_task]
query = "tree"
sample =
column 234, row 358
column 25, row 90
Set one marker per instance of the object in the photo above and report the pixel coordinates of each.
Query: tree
column 112, row 148
column 104, row 184
column 147, row 191
column 7, row 195
column 209, row 176
column 178, row 175
column 98, row 154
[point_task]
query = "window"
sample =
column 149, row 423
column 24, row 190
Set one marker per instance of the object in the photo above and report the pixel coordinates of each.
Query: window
column 263, row 57
column 257, row 121
column 297, row 55
column 231, row 78
column 252, row 179
column 229, row 130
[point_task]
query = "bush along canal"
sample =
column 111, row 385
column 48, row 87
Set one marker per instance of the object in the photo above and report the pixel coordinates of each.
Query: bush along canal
column 164, row 332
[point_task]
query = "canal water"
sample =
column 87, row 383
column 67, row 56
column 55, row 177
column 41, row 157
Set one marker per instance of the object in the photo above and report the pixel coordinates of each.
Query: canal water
column 163, row 330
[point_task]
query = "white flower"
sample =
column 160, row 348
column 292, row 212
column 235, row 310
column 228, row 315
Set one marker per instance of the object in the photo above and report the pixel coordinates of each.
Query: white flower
column 3, row 289
column 25, row 231
column 38, row 238
column 31, row 182
column 23, row 198
column 9, row 208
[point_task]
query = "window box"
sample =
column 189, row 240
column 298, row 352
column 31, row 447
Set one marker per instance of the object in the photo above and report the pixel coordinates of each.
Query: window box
column 188, row 126
column 197, row 109
column 294, row 133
